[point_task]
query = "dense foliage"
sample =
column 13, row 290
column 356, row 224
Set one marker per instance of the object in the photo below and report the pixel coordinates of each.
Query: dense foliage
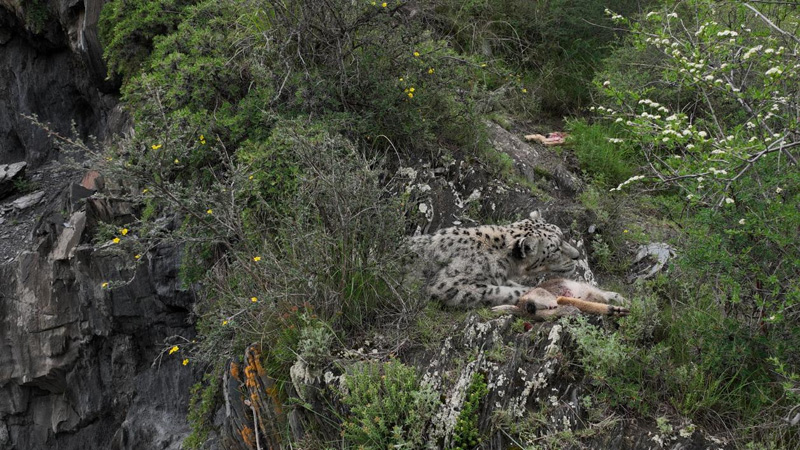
column 266, row 136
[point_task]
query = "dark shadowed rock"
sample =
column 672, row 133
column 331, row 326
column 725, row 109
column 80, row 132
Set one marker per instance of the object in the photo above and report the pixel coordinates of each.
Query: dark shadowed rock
column 54, row 70
column 9, row 174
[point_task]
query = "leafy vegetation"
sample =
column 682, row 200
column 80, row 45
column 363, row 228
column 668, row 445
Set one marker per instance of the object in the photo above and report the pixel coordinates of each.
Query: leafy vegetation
column 389, row 406
column 267, row 135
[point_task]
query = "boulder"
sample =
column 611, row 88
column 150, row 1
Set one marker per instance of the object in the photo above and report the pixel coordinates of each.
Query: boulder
column 9, row 173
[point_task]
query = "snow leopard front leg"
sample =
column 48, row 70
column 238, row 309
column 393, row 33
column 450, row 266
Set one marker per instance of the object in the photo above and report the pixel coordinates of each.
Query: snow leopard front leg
column 466, row 293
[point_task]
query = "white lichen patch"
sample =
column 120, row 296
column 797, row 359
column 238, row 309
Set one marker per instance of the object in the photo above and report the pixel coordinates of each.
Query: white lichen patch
column 444, row 420
column 302, row 376
column 553, row 348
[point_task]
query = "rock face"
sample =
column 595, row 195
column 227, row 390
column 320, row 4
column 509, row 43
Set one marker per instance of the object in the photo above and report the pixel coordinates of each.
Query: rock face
column 81, row 365
column 51, row 66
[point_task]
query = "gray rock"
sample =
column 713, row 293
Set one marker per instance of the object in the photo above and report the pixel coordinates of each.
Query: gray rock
column 533, row 162
column 53, row 70
column 26, row 201
column 70, row 237
column 650, row 259
column 9, row 173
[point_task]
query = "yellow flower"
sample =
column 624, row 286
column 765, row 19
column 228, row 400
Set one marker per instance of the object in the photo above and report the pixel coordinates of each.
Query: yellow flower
column 430, row 70
column 411, row 89
column 410, row 95
column 483, row 65
column 253, row 299
column 137, row 256
column 115, row 240
column 109, row 159
column 174, row 349
column 104, row 285
column 401, row 78
column 416, row 54
column 524, row 91
column 123, row 231
column 145, row 191
column 224, row 322
column 250, row 177
column 209, row 211
column 155, row 146
column 384, row 4
column 176, row 161
column 202, row 139
column 624, row 231
column 256, row 258
column 186, row 361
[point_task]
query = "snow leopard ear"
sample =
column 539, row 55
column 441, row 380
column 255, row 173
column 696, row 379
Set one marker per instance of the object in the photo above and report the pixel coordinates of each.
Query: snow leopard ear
column 536, row 215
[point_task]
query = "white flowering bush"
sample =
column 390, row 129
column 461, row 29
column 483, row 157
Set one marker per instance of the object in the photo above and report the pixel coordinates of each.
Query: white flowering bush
column 707, row 96
column 722, row 98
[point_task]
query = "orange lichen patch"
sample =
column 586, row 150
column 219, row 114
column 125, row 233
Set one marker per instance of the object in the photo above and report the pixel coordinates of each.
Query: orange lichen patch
column 249, row 437
column 235, row 371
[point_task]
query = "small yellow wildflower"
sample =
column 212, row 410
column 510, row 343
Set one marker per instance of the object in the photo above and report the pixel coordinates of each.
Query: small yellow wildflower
column 253, row 299
column 176, row 161
column 137, row 256
column 624, row 231
column 209, row 211
column 250, row 177
column 224, row 322
column 401, row 78
column 411, row 89
column 202, row 139
column 104, row 285
column 416, row 54
column 109, row 159
column 256, row 258
column 145, row 191
column 174, row 349
column 185, row 361
column 155, row 146
column 384, row 4
column 115, row 240
column 483, row 65
column 123, row 231
column 524, row 91
column 410, row 95
column 431, row 70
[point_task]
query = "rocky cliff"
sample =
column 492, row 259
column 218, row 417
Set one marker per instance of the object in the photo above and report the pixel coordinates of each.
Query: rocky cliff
column 80, row 364
column 51, row 65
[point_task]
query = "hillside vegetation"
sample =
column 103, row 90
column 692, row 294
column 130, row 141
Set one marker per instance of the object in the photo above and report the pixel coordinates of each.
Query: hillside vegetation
column 273, row 131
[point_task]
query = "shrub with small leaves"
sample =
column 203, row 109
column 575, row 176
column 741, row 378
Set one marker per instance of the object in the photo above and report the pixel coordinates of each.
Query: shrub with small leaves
column 466, row 434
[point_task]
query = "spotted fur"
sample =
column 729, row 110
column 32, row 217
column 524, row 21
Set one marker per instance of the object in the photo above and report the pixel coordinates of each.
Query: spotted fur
column 468, row 267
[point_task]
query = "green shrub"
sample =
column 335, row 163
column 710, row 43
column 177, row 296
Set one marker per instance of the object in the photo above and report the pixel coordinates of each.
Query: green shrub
column 600, row 155
column 202, row 408
column 389, row 406
column 466, row 434
column 550, row 49
column 127, row 29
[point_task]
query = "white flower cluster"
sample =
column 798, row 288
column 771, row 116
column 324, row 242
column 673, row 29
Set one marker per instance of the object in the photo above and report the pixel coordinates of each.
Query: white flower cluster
column 614, row 16
column 774, row 71
column 752, row 51
column 616, row 140
column 626, row 182
column 730, row 33
column 717, row 171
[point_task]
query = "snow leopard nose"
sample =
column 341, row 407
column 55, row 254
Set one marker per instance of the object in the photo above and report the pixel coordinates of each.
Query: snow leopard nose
column 570, row 251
